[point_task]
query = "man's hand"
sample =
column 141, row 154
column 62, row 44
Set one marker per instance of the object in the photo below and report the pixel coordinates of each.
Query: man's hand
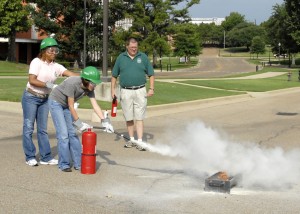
column 150, row 92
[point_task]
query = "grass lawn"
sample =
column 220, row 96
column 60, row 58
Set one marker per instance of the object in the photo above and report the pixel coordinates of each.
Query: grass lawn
column 13, row 69
column 254, row 85
column 12, row 90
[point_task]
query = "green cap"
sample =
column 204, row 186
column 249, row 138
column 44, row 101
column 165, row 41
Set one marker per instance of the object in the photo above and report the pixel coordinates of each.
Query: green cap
column 48, row 42
column 92, row 74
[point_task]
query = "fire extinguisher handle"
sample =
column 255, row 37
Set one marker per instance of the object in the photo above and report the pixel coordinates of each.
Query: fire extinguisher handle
column 114, row 99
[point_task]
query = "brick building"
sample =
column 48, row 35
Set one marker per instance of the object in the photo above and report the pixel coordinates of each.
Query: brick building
column 27, row 45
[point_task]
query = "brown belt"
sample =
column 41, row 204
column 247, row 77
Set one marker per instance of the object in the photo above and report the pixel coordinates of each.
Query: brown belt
column 37, row 94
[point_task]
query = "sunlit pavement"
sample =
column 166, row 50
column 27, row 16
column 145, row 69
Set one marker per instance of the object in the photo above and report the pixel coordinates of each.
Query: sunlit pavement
column 131, row 181
column 254, row 134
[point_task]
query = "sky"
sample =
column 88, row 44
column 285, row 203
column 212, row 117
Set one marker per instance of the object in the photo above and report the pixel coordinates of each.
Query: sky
column 256, row 11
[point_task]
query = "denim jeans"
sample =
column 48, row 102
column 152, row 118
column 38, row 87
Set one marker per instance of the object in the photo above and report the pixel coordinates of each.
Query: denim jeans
column 35, row 109
column 69, row 146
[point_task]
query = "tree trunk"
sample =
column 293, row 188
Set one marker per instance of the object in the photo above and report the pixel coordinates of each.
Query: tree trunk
column 154, row 58
column 12, row 46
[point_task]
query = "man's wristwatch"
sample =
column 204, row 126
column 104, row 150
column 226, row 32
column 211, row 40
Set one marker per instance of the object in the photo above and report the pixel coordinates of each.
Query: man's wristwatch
column 151, row 89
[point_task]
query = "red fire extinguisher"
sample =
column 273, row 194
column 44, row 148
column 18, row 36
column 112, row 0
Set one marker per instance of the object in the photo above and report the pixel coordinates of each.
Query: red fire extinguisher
column 88, row 155
column 114, row 105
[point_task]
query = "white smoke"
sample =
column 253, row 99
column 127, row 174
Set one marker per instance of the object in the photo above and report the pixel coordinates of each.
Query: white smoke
column 207, row 151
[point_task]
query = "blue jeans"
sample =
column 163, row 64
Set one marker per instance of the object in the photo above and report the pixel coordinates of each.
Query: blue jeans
column 69, row 146
column 35, row 109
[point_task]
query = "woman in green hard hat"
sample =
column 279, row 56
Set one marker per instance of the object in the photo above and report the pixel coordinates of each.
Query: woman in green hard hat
column 66, row 119
column 43, row 71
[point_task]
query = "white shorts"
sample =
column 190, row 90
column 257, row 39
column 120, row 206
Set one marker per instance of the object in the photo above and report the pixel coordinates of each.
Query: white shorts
column 133, row 103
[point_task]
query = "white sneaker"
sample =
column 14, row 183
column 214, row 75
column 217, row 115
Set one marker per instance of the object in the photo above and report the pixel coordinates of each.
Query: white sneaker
column 50, row 162
column 32, row 162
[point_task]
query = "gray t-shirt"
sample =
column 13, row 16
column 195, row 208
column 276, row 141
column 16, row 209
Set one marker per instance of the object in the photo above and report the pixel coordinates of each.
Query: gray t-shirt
column 70, row 87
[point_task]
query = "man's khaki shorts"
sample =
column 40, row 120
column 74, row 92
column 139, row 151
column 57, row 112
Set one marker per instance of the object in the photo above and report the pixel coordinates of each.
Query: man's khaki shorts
column 133, row 103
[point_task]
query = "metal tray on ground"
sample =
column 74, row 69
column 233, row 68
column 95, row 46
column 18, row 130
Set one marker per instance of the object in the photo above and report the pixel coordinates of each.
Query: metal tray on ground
column 219, row 182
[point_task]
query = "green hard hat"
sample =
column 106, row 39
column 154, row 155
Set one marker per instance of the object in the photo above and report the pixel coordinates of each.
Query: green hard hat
column 92, row 74
column 48, row 42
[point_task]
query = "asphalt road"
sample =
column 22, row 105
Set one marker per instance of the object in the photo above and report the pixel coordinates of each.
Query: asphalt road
column 211, row 65
column 255, row 135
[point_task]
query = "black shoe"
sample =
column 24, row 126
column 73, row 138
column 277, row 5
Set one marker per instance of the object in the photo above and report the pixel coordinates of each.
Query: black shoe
column 77, row 168
column 67, row 170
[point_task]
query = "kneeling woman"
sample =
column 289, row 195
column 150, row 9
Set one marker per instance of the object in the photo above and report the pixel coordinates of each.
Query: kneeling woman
column 65, row 118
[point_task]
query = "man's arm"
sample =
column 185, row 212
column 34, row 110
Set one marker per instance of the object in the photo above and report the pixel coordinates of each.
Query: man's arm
column 151, row 88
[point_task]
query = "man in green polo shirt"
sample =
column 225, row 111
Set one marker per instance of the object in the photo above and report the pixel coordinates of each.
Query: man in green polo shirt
column 132, row 67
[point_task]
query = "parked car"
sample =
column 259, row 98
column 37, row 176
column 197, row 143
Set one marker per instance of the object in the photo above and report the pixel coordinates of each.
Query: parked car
column 281, row 55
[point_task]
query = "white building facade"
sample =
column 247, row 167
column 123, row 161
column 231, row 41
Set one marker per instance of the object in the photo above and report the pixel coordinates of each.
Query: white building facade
column 216, row 21
column 127, row 23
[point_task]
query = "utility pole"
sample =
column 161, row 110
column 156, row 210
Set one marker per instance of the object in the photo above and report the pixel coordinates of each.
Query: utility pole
column 279, row 44
column 84, row 36
column 105, row 77
column 224, row 39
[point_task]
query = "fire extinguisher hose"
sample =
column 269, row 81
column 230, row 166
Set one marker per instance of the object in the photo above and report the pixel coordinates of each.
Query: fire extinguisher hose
column 115, row 132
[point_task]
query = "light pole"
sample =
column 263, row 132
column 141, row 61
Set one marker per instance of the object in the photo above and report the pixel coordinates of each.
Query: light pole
column 279, row 44
column 169, row 65
column 224, row 39
column 84, row 36
column 105, row 77
column 269, row 46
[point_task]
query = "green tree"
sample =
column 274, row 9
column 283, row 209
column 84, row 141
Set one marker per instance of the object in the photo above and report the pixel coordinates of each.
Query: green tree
column 13, row 19
column 257, row 46
column 279, row 31
column 152, row 19
column 62, row 18
column 293, row 18
column 187, row 41
column 66, row 19
column 211, row 34
column 243, row 33
column 232, row 21
column 277, row 28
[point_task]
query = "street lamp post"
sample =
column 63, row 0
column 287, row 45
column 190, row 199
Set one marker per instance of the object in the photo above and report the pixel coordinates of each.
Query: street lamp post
column 279, row 44
column 269, row 46
column 105, row 77
column 169, row 65
column 84, row 36
column 224, row 39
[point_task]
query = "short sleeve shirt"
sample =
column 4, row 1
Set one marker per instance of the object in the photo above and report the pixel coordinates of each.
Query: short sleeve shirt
column 45, row 72
column 132, row 72
column 70, row 87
